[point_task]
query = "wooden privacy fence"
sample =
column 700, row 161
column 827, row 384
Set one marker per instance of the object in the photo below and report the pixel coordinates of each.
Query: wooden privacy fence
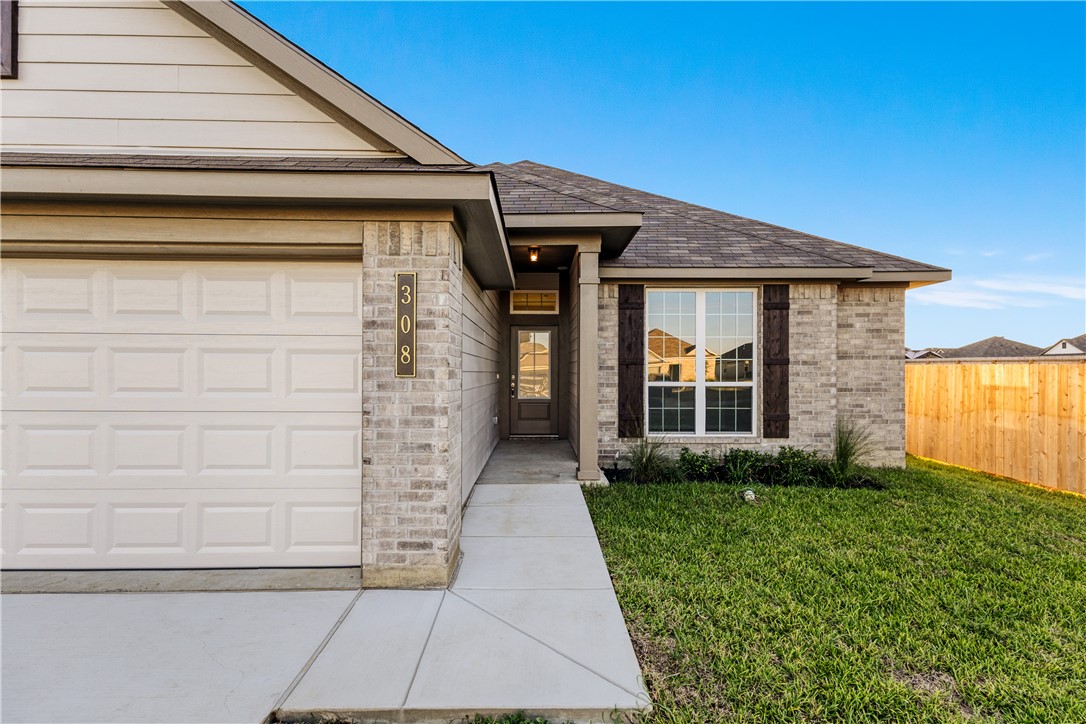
column 1020, row 418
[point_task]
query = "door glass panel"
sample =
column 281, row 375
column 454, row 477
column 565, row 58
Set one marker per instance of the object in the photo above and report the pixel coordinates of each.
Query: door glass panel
column 534, row 366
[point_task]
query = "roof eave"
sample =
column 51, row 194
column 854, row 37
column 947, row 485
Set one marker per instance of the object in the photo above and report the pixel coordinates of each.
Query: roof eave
column 617, row 229
column 355, row 109
column 735, row 273
column 914, row 279
column 471, row 194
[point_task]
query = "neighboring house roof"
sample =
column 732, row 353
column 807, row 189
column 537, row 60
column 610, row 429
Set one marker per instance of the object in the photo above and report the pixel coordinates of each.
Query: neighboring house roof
column 993, row 347
column 922, row 354
column 679, row 234
column 1078, row 343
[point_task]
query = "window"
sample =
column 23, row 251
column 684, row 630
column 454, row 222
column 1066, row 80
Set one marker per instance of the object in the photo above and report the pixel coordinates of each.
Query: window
column 9, row 39
column 533, row 302
column 701, row 361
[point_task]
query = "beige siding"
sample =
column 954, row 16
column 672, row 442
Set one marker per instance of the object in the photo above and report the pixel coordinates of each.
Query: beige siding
column 480, row 381
column 33, row 228
column 140, row 78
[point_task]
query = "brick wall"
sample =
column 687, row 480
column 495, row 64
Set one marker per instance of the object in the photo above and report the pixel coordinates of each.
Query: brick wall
column 861, row 375
column 608, row 375
column 871, row 366
column 812, row 368
column 411, row 427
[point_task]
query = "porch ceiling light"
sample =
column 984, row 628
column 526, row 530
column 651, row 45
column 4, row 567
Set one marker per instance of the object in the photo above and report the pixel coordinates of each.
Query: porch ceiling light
column 533, row 254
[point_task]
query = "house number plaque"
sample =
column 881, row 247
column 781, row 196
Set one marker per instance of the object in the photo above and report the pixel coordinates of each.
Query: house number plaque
column 405, row 324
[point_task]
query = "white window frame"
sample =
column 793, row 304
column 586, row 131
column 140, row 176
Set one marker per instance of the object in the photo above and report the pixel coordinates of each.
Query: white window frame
column 700, row 385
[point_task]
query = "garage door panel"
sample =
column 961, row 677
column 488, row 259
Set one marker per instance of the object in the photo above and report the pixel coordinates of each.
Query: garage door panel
column 148, row 450
column 273, row 298
column 181, row 414
column 124, row 372
column 180, row 528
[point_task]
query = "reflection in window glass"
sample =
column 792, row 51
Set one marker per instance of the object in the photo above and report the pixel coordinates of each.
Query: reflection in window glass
column 701, row 361
column 672, row 349
column 534, row 302
column 534, row 366
column 728, row 409
column 671, row 409
column 729, row 337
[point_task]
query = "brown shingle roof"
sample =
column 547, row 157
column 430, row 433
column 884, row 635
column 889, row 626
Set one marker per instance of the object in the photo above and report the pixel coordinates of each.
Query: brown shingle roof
column 678, row 234
column 993, row 347
column 673, row 233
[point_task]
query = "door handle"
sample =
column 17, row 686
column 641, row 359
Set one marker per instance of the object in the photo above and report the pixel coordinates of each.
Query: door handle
column 513, row 386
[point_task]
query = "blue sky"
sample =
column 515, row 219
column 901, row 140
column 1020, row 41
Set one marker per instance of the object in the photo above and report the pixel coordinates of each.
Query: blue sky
column 944, row 132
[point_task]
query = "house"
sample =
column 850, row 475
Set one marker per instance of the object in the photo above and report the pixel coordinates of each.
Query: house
column 1067, row 345
column 254, row 318
column 926, row 353
column 992, row 347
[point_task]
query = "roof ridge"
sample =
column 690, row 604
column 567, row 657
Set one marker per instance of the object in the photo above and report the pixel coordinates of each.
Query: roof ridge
column 546, row 188
column 725, row 225
column 704, row 222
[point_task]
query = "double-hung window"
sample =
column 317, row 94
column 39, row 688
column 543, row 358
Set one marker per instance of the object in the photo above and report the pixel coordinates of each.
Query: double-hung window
column 701, row 361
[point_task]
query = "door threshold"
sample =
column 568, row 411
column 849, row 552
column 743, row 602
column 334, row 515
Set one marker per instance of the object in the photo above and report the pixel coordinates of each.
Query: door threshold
column 534, row 437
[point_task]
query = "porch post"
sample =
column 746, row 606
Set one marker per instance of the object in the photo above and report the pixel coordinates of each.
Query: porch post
column 588, row 365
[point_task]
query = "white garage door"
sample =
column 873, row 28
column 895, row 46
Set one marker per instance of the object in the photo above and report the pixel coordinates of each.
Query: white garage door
column 181, row 414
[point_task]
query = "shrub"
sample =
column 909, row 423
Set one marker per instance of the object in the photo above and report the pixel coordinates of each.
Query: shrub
column 795, row 466
column 850, row 444
column 745, row 467
column 649, row 462
column 697, row 467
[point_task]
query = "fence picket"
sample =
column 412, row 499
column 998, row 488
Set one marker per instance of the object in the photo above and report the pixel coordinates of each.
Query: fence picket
column 1022, row 418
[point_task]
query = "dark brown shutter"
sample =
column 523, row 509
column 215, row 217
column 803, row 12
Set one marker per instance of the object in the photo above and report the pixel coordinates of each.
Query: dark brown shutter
column 775, row 360
column 631, row 360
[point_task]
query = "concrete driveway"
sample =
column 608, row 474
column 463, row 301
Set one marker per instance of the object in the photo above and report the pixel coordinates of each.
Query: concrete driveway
column 531, row 623
column 158, row 657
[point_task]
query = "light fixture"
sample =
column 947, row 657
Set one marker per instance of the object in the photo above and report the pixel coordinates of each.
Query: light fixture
column 533, row 254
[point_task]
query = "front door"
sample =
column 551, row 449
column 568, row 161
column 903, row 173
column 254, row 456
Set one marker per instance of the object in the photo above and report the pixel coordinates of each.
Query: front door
column 534, row 403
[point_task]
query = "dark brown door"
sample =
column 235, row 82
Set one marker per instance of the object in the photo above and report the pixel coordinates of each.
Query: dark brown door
column 534, row 403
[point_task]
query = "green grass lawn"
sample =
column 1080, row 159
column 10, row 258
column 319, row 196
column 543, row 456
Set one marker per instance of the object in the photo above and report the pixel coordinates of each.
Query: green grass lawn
column 948, row 595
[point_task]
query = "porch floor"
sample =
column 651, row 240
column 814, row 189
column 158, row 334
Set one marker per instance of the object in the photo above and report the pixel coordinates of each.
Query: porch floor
column 530, row 462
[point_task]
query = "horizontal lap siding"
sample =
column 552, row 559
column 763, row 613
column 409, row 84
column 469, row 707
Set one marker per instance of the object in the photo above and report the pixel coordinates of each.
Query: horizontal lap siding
column 480, row 379
column 139, row 77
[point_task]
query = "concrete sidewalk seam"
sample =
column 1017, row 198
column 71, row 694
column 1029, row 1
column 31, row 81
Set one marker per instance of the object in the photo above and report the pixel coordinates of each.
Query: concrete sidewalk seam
column 526, row 537
column 320, row 649
column 422, row 652
column 539, row 641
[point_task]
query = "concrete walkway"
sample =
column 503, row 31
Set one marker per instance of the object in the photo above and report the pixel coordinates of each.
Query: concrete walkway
column 530, row 461
column 531, row 623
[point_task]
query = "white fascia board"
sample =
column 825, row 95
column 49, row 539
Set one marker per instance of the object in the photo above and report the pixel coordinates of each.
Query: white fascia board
column 573, row 221
column 731, row 273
